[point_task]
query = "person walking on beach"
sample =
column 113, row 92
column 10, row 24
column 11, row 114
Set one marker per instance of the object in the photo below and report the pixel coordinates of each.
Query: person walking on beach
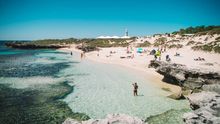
column 81, row 55
column 157, row 55
column 135, row 89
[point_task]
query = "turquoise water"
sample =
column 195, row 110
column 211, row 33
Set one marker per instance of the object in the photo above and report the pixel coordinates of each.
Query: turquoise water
column 99, row 89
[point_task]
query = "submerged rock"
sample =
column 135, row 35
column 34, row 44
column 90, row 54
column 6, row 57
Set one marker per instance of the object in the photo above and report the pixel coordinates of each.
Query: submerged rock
column 169, row 117
column 206, row 106
column 37, row 105
column 110, row 119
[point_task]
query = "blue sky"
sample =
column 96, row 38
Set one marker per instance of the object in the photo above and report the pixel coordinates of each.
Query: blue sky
column 39, row 19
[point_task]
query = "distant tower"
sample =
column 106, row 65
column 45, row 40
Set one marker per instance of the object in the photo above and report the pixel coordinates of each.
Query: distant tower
column 126, row 32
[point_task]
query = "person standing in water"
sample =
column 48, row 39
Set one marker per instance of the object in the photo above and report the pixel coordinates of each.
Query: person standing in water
column 71, row 53
column 135, row 89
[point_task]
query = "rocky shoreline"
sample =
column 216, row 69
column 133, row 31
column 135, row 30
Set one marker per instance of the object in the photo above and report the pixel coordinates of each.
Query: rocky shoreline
column 200, row 87
column 110, row 119
column 27, row 45
column 206, row 108
column 189, row 79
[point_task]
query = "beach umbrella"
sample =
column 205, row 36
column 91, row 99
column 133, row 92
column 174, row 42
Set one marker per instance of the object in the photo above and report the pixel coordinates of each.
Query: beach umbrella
column 139, row 50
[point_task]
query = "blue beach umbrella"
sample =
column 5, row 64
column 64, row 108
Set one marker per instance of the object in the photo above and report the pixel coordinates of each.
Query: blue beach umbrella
column 139, row 50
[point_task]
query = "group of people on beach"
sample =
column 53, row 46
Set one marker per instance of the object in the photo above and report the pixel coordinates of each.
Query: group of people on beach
column 157, row 55
column 82, row 55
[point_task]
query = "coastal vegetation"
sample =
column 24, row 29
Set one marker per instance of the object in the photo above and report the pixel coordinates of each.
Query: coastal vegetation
column 190, row 43
column 160, row 41
column 173, row 41
column 199, row 30
column 213, row 46
column 175, row 46
column 145, row 44
column 107, row 42
column 42, row 44
column 60, row 43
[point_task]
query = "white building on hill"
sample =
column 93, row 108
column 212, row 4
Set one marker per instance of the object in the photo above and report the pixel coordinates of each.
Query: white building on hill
column 115, row 37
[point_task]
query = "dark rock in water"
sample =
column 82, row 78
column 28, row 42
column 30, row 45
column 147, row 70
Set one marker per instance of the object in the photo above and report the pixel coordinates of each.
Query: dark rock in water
column 169, row 117
column 206, row 106
column 36, row 106
column 28, row 70
column 187, row 78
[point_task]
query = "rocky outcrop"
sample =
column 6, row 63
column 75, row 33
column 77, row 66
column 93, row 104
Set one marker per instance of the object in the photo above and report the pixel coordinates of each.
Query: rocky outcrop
column 206, row 106
column 193, row 79
column 87, row 48
column 110, row 119
column 23, row 45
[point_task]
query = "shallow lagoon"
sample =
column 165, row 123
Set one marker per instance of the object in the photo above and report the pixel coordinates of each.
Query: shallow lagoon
column 99, row 89
column 104, row 89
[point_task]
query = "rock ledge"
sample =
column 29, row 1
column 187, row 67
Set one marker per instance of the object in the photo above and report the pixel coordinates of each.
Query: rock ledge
column 110, row 119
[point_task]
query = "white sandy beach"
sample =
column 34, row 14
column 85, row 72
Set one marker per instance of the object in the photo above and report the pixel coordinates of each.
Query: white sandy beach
column 141, row 60
column 139, row 63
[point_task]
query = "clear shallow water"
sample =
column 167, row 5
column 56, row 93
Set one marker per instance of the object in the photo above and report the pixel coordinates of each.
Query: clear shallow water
column 99, row 89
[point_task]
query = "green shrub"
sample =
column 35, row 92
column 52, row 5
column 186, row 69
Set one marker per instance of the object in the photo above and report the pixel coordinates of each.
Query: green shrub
column 160, row 41
column 209, row 47
column 190, row 43
column 217, row 38
column 199, row 30
column 173, row 41
column 175, row 46
column 145, row 44
column 216, row 49
column 199, row 43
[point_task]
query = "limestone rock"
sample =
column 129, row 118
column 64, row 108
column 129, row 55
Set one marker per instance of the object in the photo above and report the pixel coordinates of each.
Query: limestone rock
column 176, row 96
column 110, row 119
column 178, row 74
column 71, row 121
column 206, row 106
column 212, row 88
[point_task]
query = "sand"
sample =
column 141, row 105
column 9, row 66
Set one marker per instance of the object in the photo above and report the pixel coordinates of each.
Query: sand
column 141, row 60
column 139, row 63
